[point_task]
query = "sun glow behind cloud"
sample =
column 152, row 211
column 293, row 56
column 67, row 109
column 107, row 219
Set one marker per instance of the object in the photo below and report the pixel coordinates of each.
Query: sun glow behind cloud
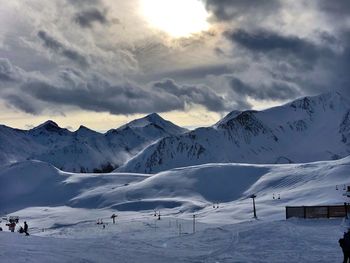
column 178, row 18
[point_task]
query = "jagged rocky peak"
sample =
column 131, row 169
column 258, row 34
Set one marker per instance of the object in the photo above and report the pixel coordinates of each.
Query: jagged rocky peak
column 48, row 126
column 155, row 120
column 228, row 117
column 154, row 117
column 243, row 118
column 330, row 100
column 83, row 130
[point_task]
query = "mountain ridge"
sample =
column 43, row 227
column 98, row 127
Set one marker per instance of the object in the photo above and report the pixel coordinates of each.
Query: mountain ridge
column 311, row 128
column 83, row 150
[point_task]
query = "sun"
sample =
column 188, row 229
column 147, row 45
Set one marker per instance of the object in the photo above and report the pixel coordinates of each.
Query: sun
column 178, row 18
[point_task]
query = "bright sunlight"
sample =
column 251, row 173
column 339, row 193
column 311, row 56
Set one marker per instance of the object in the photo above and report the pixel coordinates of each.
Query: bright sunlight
column 178, row 18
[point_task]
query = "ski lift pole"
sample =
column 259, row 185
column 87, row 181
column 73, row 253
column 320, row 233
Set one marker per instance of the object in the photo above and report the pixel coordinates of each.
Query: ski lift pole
column 253, row 196
column 194, row 224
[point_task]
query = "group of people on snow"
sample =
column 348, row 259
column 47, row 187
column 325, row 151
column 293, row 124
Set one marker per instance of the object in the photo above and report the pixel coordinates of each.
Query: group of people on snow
column 12, row 226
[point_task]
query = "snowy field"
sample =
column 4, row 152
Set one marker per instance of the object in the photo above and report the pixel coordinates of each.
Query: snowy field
column 150, row 240
column 62, row 210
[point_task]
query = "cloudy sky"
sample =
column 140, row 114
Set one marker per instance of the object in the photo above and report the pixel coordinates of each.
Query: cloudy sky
column 101, row 63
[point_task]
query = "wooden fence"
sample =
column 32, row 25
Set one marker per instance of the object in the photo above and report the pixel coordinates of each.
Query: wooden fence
column 330, row 211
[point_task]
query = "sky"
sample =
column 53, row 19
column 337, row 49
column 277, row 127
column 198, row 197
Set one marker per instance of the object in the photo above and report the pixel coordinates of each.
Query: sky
column 101, row 63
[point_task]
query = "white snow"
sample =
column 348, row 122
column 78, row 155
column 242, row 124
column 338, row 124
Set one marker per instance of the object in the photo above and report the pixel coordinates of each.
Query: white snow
column 62, row 210
column 83, row 150
column 306, row 130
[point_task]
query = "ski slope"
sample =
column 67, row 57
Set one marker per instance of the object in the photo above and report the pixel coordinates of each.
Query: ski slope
column 256, row 241
column 62, row 210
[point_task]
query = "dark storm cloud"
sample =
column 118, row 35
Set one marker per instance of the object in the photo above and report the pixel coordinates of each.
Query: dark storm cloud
column 201, row 95
column 23, row 103
column 233, row 9
column 273, row 91
column 6, row 71
column 49, row 41
column 56, row 46
column 295, row 62
column 93, row 92
column 271, row 43
column 86, row 18
column 194, row 73
column 117, row 99
column 335, row 8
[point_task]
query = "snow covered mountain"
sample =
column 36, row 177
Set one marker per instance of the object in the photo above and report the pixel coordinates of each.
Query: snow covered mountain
column 83, row 150
column 305, row 130
column 62, row 210
column 196, row 188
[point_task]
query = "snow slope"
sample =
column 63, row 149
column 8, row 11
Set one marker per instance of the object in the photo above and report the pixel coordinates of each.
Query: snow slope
column 83, row 150
column 306, row 130
column 284, row 241
column 62, row 209
column 182, row 190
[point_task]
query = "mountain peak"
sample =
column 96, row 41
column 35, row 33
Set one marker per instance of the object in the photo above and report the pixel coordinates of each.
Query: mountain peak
column 48, row 125
column 154, row 117
column 82, row 128
column 228, row 117
column 332, row 100
column 156, row 120
column 239, row 116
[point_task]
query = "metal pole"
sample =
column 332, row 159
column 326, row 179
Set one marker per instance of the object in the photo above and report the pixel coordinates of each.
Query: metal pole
column 194, row 224
column 254, row 207
column 253, row 197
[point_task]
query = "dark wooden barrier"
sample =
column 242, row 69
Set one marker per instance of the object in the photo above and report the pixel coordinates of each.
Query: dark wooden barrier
column 330, row 211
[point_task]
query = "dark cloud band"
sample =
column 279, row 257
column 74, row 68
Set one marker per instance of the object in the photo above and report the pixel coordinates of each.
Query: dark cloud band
column 56, row 46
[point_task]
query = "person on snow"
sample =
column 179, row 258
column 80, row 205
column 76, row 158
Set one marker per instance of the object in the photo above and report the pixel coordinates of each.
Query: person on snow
column 345, row 245
column 25, row 229
column 12, row 226
column 21, row 230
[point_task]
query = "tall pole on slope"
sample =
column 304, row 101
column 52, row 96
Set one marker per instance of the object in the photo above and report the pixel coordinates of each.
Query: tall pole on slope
column 194, row 224
column 253, row 196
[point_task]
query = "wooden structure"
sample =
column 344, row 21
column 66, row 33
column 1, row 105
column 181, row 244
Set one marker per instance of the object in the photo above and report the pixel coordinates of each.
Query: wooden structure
column 330, row 211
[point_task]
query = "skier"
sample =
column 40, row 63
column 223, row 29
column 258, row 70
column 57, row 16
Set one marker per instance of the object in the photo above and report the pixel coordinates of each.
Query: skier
column 345, row 245
column 26, row 228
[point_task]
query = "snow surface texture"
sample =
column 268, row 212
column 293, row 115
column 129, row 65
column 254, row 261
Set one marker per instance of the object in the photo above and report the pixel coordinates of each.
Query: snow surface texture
column 283, row 241
column 306, row 130
column 190, row 189
column 62, row 208
column 83, row 150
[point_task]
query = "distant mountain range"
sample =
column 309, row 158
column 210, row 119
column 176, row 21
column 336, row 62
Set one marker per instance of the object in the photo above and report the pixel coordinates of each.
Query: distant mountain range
column 83, row 150
column 305, row 130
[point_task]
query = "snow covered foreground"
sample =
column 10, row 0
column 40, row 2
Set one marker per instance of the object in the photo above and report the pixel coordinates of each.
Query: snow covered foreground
column 62, row 209
column 282, row 241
